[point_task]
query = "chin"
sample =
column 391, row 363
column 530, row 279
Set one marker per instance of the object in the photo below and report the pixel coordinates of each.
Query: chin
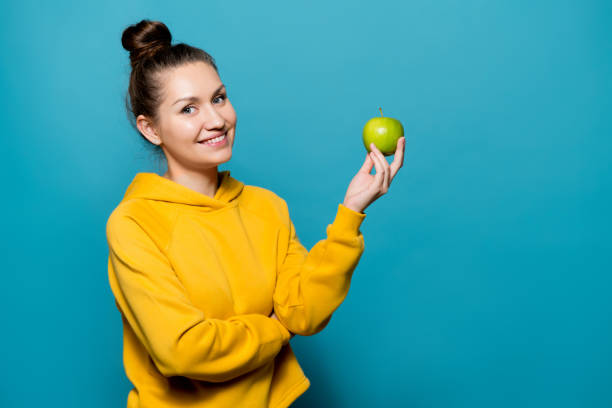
column 226, row 155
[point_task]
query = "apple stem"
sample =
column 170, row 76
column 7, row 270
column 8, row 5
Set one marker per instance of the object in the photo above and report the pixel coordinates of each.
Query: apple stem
column 380, row 109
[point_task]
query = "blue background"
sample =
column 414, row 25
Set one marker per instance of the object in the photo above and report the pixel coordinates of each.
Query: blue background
column 486, row 276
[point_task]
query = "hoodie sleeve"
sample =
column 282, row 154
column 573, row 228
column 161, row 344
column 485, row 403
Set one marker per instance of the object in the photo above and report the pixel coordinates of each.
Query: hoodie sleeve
column 311, row 285
column 180, row 340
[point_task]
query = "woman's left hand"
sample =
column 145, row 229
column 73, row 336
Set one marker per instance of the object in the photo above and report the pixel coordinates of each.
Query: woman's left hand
column 365, row 188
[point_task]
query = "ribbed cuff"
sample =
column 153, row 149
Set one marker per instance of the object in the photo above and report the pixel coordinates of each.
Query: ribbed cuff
column 348, row 221
column 285, row 334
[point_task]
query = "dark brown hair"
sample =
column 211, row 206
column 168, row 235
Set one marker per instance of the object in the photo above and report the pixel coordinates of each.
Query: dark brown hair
column 151, row 52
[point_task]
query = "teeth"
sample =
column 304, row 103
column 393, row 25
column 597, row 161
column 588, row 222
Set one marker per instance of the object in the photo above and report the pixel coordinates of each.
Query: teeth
column 216, row 139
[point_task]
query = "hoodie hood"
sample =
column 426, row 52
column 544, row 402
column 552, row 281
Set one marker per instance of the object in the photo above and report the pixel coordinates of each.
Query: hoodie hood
column 152, row 186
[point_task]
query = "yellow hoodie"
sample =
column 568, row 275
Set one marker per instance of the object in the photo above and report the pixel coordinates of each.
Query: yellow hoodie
column 195, row 279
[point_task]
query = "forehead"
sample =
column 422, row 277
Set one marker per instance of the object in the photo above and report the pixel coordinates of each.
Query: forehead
column 197, row 79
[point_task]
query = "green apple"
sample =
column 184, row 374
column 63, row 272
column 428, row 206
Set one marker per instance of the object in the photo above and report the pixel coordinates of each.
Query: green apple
column 384, row 132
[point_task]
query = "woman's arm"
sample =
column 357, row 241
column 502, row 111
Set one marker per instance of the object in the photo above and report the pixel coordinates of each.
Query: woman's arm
column 179, row 338
column 311, row 285
column 273, row 316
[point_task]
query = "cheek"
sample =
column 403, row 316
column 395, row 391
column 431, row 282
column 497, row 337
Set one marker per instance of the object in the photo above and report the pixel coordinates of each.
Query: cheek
column 183, row 128
column 230, row 114
column 188, row 125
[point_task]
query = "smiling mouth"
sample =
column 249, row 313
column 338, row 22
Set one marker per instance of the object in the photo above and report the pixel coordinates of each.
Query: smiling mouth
column 215, row 140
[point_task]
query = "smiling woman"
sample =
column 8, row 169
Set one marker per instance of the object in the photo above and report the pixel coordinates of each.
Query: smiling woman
column 208, row 273
column 179, row 104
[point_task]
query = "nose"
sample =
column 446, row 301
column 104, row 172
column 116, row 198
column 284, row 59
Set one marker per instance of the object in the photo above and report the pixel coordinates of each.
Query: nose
column 213, row 120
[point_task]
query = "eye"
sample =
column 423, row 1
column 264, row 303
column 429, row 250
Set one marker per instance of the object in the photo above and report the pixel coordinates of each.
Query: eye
column 187, row 107
column 222, row 96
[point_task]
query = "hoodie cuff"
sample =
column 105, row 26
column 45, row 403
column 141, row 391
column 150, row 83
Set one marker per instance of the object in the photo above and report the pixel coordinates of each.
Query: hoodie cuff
column 285, row 334
column 347, row 221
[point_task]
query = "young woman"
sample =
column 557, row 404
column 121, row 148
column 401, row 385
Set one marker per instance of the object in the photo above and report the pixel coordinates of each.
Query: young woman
column 208, row 273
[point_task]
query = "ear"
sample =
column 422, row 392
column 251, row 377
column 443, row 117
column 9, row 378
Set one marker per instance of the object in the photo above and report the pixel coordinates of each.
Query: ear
column 148, row 130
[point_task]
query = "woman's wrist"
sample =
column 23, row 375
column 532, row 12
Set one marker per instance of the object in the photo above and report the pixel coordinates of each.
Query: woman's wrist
column 352, row 206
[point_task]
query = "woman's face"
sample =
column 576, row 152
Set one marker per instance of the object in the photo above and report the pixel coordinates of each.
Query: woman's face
column 194, row 107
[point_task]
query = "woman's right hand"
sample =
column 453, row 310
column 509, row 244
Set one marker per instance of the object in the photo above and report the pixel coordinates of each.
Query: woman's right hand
column 273, row 316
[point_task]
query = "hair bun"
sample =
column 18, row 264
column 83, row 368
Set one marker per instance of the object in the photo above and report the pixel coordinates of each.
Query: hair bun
column 145, row 38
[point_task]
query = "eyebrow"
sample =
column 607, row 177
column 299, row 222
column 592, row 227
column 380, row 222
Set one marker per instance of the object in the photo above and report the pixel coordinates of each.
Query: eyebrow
column 195, row 98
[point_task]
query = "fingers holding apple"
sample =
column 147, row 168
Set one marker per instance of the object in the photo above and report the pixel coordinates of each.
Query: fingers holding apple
column 380, row 139
column 367, row 165
column 379, row 164
column 380, row 175
column 387, row 134
column 398, row 158
column 364, row 188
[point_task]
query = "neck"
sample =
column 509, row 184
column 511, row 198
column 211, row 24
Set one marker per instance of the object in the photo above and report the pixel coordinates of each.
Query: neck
column 203, row 181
